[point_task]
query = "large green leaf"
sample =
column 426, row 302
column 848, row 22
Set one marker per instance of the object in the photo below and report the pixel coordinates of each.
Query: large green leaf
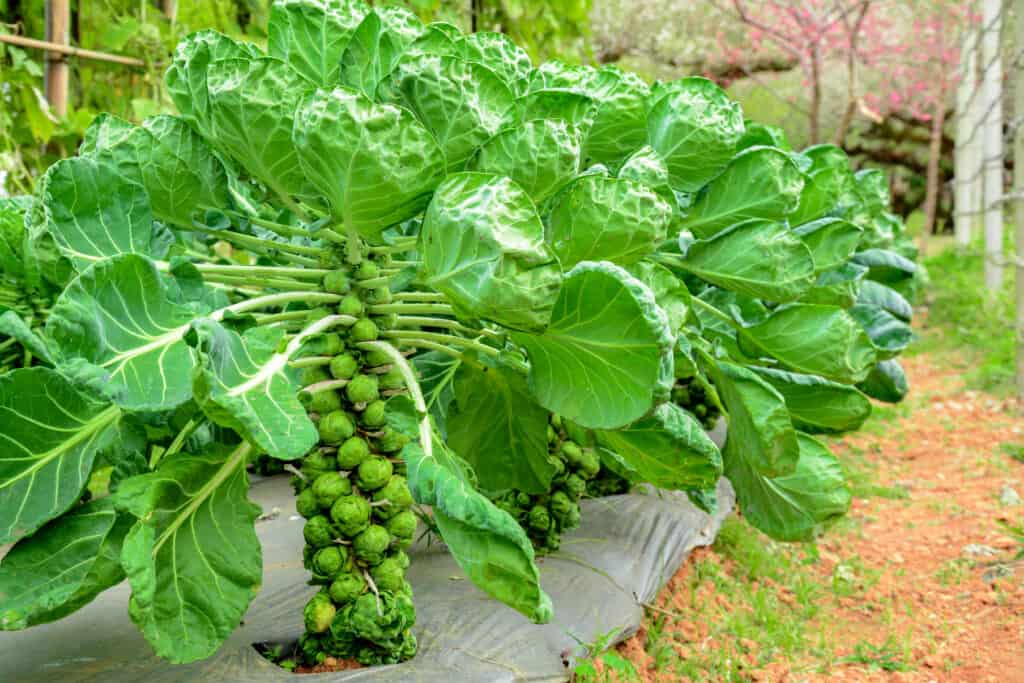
column 695, row 128
column 375, row 164
column 540, row 155
column 876, row 294
column 92, row 212
column 646, row 167
column 887, row 382
column 51, row 432
column 620, row 116
column 797, row 506
column 839, row 287
column 498, row 53
column 464, row 104
column 606, row 359
column 311, row 35
column 668, row 449
column 669, row 291
column 885, row 266
column 761, row 182
column 252, row 111
column 192, row 559
column 370, row 55
column 761, row 433
column 242, row 382
column 889, row 334
column 599, row 218
column 486, row 542
column 832, row 241
column 186, row 77
column 63, row 566
column 761, row 258
column 497, row 427
column 814, row 339
column 115, row 327
column 483, row 248
column 12, row 325
column 558, row 104
column 763, row 135
column 817, row 405
column 829, row 182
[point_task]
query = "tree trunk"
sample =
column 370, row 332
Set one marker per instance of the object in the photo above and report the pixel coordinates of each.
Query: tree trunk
column 931, row 199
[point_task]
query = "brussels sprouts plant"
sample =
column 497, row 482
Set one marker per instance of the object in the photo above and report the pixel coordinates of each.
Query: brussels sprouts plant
column 432, row 280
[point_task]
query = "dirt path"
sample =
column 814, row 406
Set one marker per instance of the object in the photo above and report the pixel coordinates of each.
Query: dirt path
column 906, row 589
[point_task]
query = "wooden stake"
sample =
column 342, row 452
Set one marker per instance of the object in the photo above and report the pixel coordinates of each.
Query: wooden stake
column 58, row 23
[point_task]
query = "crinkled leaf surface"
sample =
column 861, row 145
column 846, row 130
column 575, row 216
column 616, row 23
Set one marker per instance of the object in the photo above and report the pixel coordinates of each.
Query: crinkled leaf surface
column 797, row 506
column 63, row 566
column 498, row 53
column 877, row 294
column 115, row 328
column 886, row 266
column 814, row 339
column 761, row 258
column 51, row 432
column 763, row 135
column 760, row 431
column 668, row 448
column 695, row 128
column 889, row 334
column 540, row 156
column 92, row 212
column 645, row 166
column 251, row 114
column 436, row 374
column 464, row 104
column 839, row 287
column 311, row 35
column 12, row 325
column 832, row 241
column 887, row 382
column 483, row 248
column 606, row 358
column 600, row 218
column 487, row 542
column 193, row 560
column 496, row 426
column 669, row 291
column 762, row 182
column 558, row 104
column 375, row 164
column 242, row 382
column 372, row 52
column 817, row 405
column 620, row 117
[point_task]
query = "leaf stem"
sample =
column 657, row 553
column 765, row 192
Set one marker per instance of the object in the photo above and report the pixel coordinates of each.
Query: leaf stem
column 715, row 312
column 271, row 318
column 409, row 375
column 190, row 427
column 258, row 243
column 311, row 361
column 402, row 308
column 445, row 323
column 271, row 283
column 430, row 297
column 280, row 299
column 399, row 247
column 419, row 335
column 263, row 271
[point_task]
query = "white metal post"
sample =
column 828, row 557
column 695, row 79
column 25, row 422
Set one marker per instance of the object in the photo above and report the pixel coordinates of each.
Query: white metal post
column 967, row 173
column 992, row 104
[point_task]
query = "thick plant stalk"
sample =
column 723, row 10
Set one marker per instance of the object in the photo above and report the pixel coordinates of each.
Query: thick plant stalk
column 354, row 495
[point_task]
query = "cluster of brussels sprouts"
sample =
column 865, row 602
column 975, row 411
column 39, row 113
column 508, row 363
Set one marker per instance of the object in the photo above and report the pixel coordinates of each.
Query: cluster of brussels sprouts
column 353, row 494
column 695, row 395
column 607, row 483
column 546, row 516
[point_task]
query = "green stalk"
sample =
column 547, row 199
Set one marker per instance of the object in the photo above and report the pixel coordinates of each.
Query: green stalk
column 272, row 283
column 715, row 312
column 454, row 325
column 311, row 361
column 374, row 283
column 263, row 271
column 286, row 250
column 276, row 228
column 427, row 297
column 413, row 385
column 442, row 339
column 179, row 441
column 280, row 299
column 271, row 318
column 399, row 247
column 412, row 308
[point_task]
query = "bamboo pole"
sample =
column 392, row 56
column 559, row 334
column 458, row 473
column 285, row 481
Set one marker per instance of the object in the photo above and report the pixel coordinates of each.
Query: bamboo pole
column 70, row 50
column 58, row 23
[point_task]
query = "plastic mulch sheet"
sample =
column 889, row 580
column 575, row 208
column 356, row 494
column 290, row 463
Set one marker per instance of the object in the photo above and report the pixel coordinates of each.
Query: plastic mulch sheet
column 625, row 551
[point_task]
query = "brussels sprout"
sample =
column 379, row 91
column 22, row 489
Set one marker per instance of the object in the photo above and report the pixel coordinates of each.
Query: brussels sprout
column 556, row 421
column 375, row 358
column 344, row 366
column 364, row 330
column 385, row 622
column 375, row 414
column 572, row 453
column 324, row 402
column 319, row 613
column 397, row 493
column 367, row 270
column 315, row 464
column 559, row 466
column 335, row 427
column 317, row 532
column 389, row 575
column 328, row 344
column 573, row 520
column 336, row 282
column 390, row 440
column 403, row 525
column 582, row 436
column 575, row 486
column 539, row 518
column 346, row 587
column 362, row 389
column 552, row 434
column 379, row 295
column 306, row 504
column 308, row 552
column 351, row 305
column 589, row 465
column 330, row 560
column 523, row 499
column 401, row 558
column 371, row 545
column 311, row 649
column 330, row 486
column 353, row 452
column 373, row 473
column 560, row 504
column 392, row 379
column 314, row 374
column 351, row 514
